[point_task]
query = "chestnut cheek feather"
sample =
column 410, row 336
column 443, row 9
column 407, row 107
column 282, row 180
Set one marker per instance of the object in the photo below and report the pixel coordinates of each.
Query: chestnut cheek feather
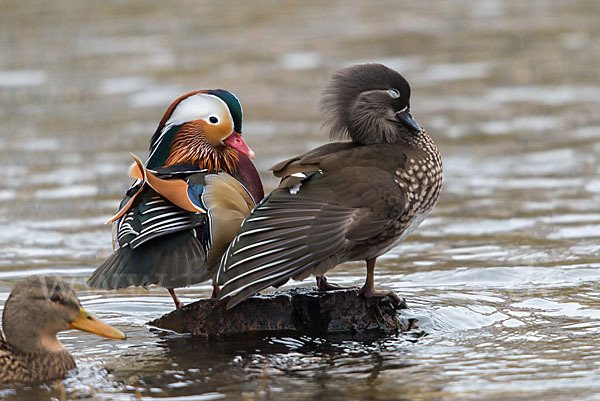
column 216, row 134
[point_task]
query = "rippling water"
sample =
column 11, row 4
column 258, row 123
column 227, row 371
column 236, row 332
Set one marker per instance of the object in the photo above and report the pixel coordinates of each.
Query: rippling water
column 502, row 277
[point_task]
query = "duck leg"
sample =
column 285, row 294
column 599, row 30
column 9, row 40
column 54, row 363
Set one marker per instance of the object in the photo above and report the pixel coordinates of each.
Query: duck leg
column 324, row 285
column 178, row 303
column 215, row 291
column 368, row 290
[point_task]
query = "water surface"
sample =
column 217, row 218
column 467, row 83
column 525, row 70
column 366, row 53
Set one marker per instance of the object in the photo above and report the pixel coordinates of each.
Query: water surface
column 502, row 277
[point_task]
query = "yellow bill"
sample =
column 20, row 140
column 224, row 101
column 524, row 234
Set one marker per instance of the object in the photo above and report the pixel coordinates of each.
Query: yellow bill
column 87, row 322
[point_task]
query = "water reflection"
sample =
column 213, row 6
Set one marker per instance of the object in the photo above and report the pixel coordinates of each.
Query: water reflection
column 253, row 365
column 501, row 279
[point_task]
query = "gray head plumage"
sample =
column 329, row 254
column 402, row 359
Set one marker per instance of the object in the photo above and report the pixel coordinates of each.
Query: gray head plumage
column 368, row 103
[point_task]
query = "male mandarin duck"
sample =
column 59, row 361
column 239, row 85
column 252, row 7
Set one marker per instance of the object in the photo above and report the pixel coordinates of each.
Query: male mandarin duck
column 342, row 201
column 35, row 311
column 188, row 201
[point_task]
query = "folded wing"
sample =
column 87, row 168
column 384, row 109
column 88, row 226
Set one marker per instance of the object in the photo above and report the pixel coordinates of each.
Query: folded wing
column 309, row 224
column 159, row 242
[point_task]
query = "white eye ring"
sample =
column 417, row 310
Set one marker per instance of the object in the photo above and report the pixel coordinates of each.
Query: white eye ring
column 213, row 119
column 394, row 94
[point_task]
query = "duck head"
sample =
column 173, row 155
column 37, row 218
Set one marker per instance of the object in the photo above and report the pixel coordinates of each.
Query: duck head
column 369, row 103
column 40, row 307
column 201, row 128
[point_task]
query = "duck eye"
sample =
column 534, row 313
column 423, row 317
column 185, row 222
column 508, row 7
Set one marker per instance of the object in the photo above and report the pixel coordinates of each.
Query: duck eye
column 213, row 119
column 55, row 298
column 394, row 94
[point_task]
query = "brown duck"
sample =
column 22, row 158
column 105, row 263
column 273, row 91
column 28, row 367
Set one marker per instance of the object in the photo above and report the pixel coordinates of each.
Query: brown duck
column 342, row 201
column 35, row 311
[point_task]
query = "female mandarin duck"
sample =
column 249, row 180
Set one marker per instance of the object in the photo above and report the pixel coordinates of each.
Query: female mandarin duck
column 37, row 309
column 189, row 199
column 342, row 201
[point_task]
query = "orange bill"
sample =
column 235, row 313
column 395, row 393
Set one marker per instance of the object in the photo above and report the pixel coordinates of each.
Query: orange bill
column 89, row 323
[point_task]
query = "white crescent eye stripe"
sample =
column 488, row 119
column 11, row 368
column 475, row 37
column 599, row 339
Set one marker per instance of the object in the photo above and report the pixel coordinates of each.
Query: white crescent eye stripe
column 201, row 106
column 393, row 93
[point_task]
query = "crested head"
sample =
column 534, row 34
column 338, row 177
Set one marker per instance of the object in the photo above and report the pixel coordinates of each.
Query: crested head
column 368, row 103
column 234, row 105
column 202, row 121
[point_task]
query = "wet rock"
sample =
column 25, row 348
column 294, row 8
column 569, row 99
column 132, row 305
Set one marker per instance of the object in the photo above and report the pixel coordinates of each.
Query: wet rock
column 298, row 310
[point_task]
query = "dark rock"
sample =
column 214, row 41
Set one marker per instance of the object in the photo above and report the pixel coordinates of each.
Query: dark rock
column 298, row 310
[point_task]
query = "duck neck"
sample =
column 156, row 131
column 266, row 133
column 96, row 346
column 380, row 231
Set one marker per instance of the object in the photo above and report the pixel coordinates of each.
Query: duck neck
column 45, row 357
column 36, row 341
column 49, row 343
column 42, row 365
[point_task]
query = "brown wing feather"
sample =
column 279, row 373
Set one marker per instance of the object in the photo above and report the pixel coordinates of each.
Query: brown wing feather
column 311, row 160
column 309, row 225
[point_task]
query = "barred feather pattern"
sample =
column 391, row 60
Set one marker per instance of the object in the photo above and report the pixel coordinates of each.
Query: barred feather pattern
column 154, row 217
column 30, row 368
column 160, row 243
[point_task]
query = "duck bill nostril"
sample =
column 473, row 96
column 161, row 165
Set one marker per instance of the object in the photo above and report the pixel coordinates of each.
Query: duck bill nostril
column 405, row 118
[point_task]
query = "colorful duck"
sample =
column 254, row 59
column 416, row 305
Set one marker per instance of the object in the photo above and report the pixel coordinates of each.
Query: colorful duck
column 188, row 200
column 342, row 201
column 36, row 309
